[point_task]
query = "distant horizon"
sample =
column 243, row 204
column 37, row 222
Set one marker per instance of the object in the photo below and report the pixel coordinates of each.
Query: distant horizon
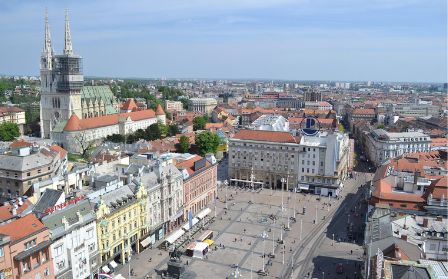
column 239, row 79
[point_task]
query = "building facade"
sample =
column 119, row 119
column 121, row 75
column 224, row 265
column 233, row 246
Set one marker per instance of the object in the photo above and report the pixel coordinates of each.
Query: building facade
column 13, row 115
column 122, row 219
column 278, row 160
column 199, row 183
column 77, row 134
column 74, row 241
column 202, row 105
column 382, row 145
column 267, row 156
column 28, row 249
column 173, row 106
column 25, row 164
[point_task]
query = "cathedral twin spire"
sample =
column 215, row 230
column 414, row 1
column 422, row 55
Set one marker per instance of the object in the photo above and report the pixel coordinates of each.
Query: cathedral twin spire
column 47, row 52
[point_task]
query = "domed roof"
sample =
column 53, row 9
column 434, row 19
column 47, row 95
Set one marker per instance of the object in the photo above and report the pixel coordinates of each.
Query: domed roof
column 73, row 124
column 159, row 110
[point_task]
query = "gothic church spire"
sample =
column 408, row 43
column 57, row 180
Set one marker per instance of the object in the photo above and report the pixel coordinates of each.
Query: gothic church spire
column 68, row 48
column 47, row 52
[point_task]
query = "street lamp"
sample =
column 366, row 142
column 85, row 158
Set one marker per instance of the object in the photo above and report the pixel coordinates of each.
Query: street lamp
column 332, row 244
column 225, row 185
column 264, row 235
column 236, row 273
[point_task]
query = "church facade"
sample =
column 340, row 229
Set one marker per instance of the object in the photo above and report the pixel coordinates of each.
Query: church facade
column 74, row 115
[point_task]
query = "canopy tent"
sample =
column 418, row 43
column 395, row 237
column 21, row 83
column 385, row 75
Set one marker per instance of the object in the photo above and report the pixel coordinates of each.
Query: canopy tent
column 197, row 249
column 113, row 264
column 186, row 226
column 174, row 236
column 209, row 242
column 304, row 186
column 106, row 269
column 203, row 213
column 145, row 242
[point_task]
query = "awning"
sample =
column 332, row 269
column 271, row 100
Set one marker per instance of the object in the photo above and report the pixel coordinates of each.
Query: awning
column 209, row 242
column 187, row 225
column 304, row 186
column 119, row 276
column 113, row 264
column 174, row 236
column 106, row 269
column 177, row 215
column 145, row 242
column 204, row 213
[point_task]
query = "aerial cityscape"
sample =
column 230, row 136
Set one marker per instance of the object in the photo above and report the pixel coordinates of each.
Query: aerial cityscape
column 235, row 139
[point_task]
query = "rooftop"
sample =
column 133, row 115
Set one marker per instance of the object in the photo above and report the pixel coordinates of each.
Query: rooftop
column 269, row 136
column 28, row 225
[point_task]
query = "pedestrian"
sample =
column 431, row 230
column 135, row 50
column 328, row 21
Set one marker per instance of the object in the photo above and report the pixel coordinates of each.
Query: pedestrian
column 187, row 262
column 351, row 252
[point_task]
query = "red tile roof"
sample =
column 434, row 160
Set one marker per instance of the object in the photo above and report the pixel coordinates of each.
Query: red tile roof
column 159, row 110
column 28, row 225
column 62, row 152
column 383, row 191
column 271, row 136
column 75, row 124
column 189, row 164
column 20, row 143
column 6, row 210
column 10, row 109
column 129, row 105
column 439, row 188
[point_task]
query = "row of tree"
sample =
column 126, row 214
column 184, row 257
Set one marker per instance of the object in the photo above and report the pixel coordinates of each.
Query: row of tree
column 153, row 132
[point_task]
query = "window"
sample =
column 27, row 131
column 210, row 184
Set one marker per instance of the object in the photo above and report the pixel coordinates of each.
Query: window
column 2, row 252
column 321, row 164
column 37, row 276
column 92, row 247
column 25, row 267
column 39, row 171
column 28, row 174
column 58, row 250
column 90, row 234
column 46, row 272
column 30, row 244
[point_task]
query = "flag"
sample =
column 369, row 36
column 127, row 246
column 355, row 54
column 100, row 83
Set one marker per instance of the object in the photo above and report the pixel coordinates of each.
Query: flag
column 190, row 219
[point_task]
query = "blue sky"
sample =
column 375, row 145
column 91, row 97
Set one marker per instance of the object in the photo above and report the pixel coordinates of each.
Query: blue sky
column 389, row 40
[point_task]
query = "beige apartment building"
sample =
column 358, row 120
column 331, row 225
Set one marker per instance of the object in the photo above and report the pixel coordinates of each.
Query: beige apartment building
column 14, row 115
column 24, row 164
column 173, row 106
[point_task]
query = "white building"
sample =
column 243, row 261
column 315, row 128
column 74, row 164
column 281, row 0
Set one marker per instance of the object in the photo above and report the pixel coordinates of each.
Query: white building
column 382, row 145
column 318, row 105
column 173, row 106
column 164, row 185
column 271, row 122
column 77, row 134
column 74, row 245
column 14, row 115
column 317, row 164
column 323, row 163
column 203, row 105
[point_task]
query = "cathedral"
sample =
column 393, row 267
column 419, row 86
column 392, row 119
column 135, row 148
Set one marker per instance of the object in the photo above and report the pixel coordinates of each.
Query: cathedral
column 70, row 111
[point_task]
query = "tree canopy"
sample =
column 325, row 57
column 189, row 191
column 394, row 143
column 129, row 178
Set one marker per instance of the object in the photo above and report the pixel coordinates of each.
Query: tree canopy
column 184, row 144
column 199, row 122
column 207, row 142
column 9, row 131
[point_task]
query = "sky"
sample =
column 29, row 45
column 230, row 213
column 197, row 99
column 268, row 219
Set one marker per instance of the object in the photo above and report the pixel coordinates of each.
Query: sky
column 347, row 40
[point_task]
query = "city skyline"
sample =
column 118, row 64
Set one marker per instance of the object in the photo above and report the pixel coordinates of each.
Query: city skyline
column 286, row 40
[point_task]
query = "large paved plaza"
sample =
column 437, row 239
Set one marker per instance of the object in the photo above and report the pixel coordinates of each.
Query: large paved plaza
column 250, row 215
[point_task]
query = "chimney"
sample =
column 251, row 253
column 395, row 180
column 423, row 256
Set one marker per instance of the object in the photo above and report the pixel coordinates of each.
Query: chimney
column 404, row 237
column 14, row 210
column 425, row 222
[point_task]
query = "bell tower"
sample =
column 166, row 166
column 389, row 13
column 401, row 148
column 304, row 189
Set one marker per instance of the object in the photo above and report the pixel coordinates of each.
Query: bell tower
column 62, row 81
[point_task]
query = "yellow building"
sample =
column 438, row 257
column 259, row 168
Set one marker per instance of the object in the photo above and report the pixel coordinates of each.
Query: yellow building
column 121, row 222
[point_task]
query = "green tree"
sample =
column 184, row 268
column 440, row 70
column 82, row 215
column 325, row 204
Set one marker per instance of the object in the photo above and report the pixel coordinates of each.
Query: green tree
column 380, row 126
column 341, row 128
column 184, row 144
column 199, row 122
column 156, row 131
column 207, row 142
column 9, row 131
column 115, row 138
column 173, row 130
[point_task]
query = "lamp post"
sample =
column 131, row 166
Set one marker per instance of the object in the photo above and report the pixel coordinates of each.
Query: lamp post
column 264, row 235
column 273, row 245
column 332, row 244
column 225, row 185
column 315, row 219
column 301, row 227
